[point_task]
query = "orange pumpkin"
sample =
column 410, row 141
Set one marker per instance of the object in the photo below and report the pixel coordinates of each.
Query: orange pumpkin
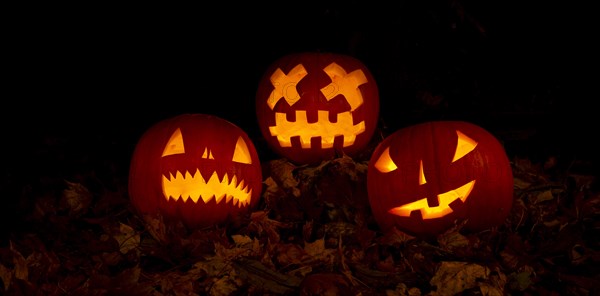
column 315, row 106
column 198, row 168
column 424, row 178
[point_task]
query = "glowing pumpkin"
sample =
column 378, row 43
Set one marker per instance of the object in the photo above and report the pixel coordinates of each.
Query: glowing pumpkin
column 198, row 168
column 424, row 178
column 315, row 106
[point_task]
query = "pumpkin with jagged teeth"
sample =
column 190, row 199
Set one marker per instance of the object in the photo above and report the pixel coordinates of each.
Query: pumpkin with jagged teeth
column 198, row 168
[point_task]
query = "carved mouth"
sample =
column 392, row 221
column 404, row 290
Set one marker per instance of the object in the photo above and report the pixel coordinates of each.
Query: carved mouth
column 441, row 210
column 194, row 187
column 284, row 130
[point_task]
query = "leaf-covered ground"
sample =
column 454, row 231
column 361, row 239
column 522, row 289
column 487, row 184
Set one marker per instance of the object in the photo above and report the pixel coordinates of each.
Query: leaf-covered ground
column 312, row 234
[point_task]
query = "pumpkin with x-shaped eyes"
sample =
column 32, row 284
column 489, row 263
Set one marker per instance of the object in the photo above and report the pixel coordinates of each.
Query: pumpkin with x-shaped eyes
column 198, row 168
column 315, row 106
column 424, row 178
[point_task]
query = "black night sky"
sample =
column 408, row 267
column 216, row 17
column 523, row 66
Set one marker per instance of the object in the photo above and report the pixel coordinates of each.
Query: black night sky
column 90, row 80
column 92, row 70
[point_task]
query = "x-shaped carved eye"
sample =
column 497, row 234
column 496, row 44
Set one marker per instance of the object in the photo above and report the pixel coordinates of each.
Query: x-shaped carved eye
column 341, row 83
column 285, row 86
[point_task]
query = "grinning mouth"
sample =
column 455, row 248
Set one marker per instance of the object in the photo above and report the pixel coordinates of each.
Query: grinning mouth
column 284, row 130
column 194, row 187
column 443, row 209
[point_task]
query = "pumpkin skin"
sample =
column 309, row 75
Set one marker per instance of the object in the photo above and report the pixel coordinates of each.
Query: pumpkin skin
column 196, row 168
column 315, row 106
column 425, row 178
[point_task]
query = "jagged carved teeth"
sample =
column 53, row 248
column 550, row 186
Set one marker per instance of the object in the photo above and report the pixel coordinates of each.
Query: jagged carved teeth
column 195, row 187
column 327, row 130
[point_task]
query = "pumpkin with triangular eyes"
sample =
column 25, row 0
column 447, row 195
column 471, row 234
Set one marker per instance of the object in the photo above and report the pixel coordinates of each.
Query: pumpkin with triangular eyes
column 315, row 106
column 425, row 178
column 196, row 168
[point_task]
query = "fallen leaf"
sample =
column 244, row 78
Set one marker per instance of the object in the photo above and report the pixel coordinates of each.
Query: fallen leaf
column 128, row 238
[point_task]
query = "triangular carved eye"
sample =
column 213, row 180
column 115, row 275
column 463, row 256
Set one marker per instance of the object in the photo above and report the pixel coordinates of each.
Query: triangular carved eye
column 175, row 144
column 384, row 163
column 241, row 153
column 464, row 145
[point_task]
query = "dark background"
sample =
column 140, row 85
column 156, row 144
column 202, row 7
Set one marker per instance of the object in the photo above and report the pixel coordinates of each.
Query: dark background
column 84, row 82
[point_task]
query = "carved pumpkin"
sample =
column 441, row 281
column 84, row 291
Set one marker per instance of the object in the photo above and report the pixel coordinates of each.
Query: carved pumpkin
column 315, row 106
column 425, row 178
column 198, row 168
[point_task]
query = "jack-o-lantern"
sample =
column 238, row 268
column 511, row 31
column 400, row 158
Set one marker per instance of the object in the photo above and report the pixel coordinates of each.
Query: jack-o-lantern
column 315, row 106
column 426, row 178
column 197, row 168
